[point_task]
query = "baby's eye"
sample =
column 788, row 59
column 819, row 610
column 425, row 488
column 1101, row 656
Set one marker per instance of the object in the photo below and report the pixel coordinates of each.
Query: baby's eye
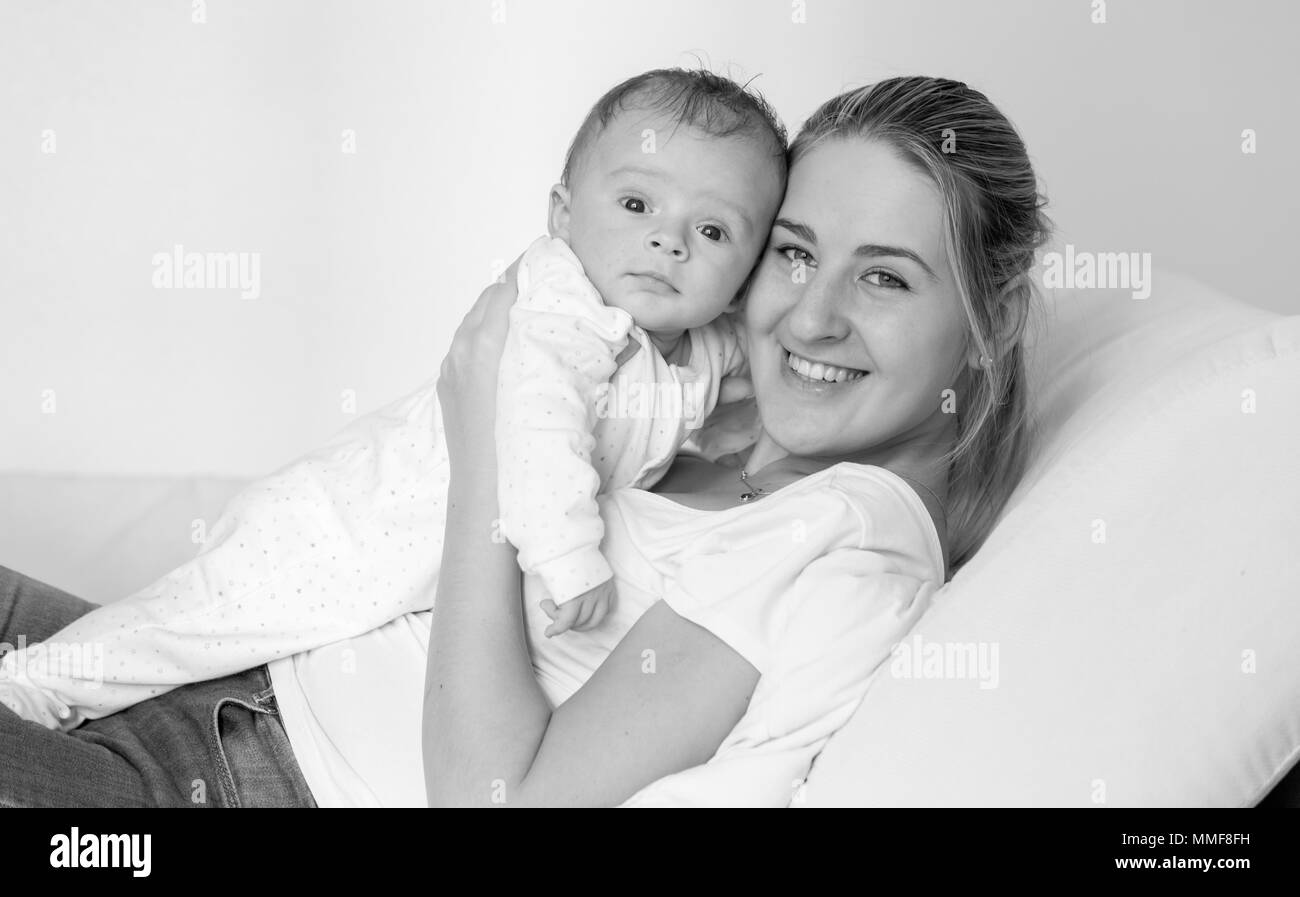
column 632, row 204
column 887, row 280
column 712, row 232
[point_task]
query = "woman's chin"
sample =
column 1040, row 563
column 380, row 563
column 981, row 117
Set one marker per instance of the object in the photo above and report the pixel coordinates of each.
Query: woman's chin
column 795, row 403
column 801, row 430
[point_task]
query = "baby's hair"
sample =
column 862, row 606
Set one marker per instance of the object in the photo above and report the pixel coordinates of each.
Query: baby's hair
column 711, row 103
column 994, row 225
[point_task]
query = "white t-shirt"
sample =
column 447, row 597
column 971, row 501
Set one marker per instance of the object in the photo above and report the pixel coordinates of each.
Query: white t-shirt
column 812, row 584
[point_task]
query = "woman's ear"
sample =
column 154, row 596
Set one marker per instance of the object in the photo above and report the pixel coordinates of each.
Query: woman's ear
column 1011, row 313
column 1013, row 302
column 558, row 217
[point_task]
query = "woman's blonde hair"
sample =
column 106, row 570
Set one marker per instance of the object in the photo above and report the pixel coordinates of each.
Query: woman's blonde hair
column 994, row 225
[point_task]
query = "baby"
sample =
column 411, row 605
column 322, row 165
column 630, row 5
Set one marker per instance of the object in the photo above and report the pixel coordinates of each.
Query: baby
column 668, row 192
column 667, row 195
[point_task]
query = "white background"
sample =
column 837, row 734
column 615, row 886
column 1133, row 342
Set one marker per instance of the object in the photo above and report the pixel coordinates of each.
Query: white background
column 226, row 136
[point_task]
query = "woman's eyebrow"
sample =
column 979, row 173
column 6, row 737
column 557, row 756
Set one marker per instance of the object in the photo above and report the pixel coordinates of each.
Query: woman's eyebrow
column 805, row 232
column 802, row 231
column 875, row 249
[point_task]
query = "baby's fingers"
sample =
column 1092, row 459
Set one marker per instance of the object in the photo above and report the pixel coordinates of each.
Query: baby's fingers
column 564, row 620
column 734, row 389
column 598, row 614
column 589, row 605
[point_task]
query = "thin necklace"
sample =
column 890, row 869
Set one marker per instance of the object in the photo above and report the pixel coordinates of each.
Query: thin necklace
column 758, row 491
column 754, row 491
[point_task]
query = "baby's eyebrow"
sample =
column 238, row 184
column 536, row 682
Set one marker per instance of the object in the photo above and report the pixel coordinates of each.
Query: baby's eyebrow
column 746, row 224
column 637, row 169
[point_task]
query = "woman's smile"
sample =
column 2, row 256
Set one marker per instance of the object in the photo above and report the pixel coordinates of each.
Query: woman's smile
column 822, row 370
column 818, row 378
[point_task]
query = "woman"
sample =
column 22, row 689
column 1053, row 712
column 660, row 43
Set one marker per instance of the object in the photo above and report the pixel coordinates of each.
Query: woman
column 890, row 256
column 746, row 630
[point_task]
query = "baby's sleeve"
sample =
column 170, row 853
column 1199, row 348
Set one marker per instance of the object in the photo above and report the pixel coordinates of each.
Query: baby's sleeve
column 851, row 608
column 733, row 368
column 729, row 422
column 560, row 354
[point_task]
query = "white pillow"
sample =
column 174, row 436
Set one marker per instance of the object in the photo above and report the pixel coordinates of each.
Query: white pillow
column 1159, row 667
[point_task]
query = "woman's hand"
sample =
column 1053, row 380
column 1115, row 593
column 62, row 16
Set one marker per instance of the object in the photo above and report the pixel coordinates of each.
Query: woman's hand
column 467, row 381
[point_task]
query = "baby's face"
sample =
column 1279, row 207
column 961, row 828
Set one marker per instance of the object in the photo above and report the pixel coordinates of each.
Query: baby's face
column 668, row 224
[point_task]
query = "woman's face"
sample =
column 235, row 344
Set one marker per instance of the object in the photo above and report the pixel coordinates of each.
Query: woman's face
column 855, row 286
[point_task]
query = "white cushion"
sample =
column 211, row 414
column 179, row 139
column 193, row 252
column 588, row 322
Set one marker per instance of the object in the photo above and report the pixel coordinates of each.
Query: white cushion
column 1157, row 667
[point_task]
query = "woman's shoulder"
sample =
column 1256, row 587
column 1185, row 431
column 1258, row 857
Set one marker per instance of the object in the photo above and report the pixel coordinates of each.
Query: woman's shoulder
column 895, row 511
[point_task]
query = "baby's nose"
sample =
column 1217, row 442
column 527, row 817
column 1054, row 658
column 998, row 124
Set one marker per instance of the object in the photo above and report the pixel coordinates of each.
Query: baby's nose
column 667, row 242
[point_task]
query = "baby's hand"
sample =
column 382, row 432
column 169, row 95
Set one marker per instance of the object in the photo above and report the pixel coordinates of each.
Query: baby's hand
column 581, row 613
column 734, row 389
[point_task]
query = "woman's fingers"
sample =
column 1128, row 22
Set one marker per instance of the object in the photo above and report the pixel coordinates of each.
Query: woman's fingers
column 476, row 347
column 483, row 330
column 512, row 273
column 490, row 310
column 496, row 312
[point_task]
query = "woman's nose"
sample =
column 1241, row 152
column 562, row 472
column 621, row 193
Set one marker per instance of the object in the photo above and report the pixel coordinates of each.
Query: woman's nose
column 667, row 240
column 817, row 314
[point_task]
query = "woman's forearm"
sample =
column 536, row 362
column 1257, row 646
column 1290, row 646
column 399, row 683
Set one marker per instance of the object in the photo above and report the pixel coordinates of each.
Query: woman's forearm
column 484, row 713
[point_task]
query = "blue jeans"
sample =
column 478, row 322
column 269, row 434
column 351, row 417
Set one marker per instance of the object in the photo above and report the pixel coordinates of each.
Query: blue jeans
column 218, row 743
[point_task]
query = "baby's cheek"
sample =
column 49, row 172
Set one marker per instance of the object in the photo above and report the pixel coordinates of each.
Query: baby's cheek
column 606, row 286
column 594, row 265
column 600, row 277
column 586, row 246
column 722, row 285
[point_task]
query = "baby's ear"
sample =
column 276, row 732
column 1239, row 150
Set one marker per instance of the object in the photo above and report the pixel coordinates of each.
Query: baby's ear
column 558, row 218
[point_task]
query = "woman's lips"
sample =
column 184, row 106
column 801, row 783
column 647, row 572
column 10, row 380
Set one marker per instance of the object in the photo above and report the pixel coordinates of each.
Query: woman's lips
column 815, row 384
column 819, row 373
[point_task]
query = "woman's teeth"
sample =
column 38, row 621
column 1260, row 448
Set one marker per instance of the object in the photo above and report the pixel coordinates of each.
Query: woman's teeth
column 815, row 370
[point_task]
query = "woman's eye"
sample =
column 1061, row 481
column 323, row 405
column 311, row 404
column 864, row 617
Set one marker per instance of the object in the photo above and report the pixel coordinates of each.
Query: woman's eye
column 886, row 280
column 712, row 232
column 795, row 255
column 632, row 204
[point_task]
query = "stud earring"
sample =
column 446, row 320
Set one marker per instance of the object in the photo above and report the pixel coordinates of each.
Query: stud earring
column 986, row 361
